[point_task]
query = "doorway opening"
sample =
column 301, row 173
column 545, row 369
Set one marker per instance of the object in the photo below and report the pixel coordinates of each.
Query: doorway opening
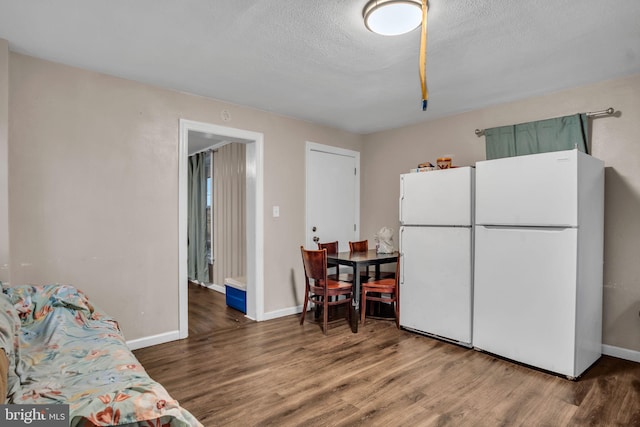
column 217, row 212
column 217, row 136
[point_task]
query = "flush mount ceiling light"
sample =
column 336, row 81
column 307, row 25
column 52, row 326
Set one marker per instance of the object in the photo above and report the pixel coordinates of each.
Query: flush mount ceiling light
column 392, row 17
column 395, row 17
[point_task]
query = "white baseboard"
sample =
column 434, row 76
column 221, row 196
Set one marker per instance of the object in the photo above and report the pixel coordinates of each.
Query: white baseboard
column 217, row 288
column 167, row 336
column 212, row 286
column 153, row 340
column 175, row 335
column 283, row 312
column 621, row 353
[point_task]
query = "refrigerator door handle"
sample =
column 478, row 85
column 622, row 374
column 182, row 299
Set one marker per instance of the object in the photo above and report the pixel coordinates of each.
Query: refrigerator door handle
column 402, row 257
column 558, row 228
column 401, row 198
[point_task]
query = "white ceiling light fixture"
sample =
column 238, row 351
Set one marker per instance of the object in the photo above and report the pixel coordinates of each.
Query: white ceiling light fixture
column 395, row 17
column 392, row 17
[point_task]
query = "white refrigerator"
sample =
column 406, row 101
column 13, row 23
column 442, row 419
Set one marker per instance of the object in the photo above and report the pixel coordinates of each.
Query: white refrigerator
column 436, row 243
column 539, row 260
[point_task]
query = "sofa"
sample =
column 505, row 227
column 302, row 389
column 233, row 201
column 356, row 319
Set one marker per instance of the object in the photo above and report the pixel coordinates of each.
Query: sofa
column 60, row 348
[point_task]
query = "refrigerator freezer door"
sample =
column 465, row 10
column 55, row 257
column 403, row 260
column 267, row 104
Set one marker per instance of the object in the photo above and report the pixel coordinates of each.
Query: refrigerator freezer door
column 436, row 282
column 525, row 296
column 537, row 190
column 443, row 197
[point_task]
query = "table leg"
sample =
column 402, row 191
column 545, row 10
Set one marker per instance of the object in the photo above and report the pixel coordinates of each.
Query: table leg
column 355, row 302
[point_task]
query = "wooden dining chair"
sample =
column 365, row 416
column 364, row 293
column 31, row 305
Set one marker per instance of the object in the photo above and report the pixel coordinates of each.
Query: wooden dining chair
column 363, row 246
column 385, row 290
column 332, row 249
column 360, row 246
column 319, row 289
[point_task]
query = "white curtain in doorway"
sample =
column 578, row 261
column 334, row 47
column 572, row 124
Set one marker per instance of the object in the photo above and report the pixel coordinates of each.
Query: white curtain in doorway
column 229, row 212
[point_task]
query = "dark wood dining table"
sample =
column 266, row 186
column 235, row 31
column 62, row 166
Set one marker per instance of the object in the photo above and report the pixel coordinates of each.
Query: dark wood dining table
column 358, row 261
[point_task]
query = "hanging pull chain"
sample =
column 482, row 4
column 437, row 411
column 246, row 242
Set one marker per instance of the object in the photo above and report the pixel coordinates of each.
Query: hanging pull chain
column 423, row 57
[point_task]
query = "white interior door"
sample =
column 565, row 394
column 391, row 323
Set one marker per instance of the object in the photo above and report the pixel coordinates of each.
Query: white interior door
column 333, row 195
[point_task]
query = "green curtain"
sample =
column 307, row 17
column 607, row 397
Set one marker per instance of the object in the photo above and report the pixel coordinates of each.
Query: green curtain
column 560, row 133
column 198, row 264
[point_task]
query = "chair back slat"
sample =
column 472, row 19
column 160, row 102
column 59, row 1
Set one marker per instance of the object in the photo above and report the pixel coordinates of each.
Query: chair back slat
column 331, row 247
column 315, row 265
column 361, row 246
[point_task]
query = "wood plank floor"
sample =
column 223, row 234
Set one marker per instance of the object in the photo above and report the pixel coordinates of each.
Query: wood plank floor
column 235, row 372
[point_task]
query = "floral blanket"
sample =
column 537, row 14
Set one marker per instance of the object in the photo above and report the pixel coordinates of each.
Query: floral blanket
column 63, row 349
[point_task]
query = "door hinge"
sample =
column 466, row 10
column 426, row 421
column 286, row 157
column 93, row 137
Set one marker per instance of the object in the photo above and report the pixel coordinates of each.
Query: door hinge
column 355, row 171
column 354, row 227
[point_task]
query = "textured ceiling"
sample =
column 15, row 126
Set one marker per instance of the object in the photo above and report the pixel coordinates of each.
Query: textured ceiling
column 316, row 61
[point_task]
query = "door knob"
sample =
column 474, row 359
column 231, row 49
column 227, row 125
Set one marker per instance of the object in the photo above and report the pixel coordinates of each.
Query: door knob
column 316, row 239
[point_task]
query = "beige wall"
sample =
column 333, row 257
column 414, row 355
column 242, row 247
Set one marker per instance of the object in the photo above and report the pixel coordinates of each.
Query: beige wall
column 4, row 164
column 616, row 140
column 93, row 185
column 94, row 189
